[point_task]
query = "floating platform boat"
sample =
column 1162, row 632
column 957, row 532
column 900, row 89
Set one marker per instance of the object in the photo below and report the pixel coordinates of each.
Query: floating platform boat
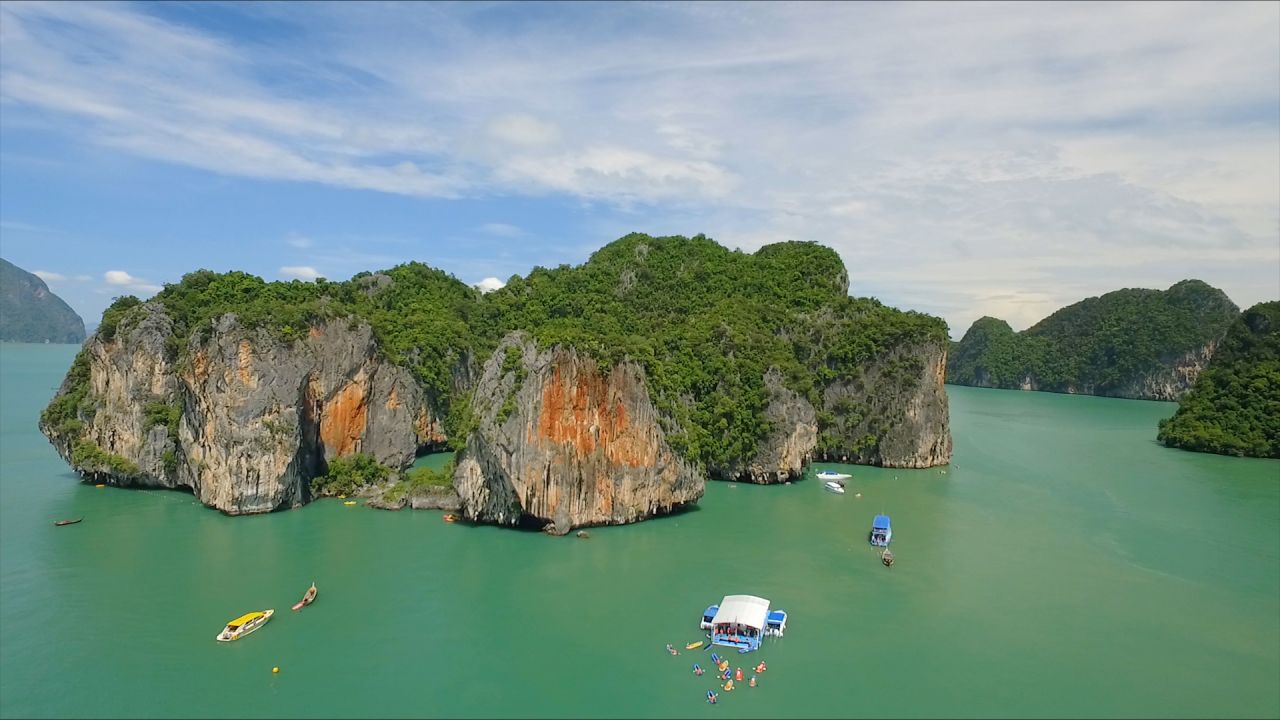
column 742, row 622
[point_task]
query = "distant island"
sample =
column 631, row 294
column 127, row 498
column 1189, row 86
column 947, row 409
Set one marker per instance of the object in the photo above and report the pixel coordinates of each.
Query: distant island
column 30, row 313
column 597, row 394
column 1132, row 343
column 1234, row 407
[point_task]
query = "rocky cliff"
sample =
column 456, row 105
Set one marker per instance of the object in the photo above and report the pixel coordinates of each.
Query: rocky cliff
column 31, row 313
column 566, row 445
column 1132, row 343
column 599, row 394
column 894, row 414
column 246, row 419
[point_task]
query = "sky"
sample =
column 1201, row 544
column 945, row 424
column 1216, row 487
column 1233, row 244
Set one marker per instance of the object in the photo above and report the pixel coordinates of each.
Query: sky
column 963, row 159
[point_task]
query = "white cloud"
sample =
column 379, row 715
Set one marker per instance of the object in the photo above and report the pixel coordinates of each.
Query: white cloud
column 120, row 278
column 49, row 277
column 24, row 227
column 621, row 173
column 502, row 230
column 524, row 130
column 489, row 284
column 961, row 158
column 302, row 272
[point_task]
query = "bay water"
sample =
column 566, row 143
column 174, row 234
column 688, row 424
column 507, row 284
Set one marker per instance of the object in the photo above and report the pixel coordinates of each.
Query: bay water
column 1065, row 565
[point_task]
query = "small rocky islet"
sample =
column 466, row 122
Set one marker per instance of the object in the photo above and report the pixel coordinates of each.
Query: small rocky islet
column 597, row 394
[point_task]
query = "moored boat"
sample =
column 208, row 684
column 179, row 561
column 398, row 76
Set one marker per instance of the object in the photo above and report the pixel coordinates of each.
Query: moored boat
column 244, row 625
column 707, row 616
column 834, row 487
column 832, row 475
column 307, row 599
column 886, row 557
column 881, row 532
column 60, row 523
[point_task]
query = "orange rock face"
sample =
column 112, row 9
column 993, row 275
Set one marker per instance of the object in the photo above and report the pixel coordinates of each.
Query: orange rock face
column 584, row 414
column 343, row 419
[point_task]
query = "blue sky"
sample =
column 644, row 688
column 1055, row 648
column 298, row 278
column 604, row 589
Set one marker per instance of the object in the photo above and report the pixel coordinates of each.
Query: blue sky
column 964, row 159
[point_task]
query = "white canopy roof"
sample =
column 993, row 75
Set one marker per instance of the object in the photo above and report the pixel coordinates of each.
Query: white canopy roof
column 746, row 610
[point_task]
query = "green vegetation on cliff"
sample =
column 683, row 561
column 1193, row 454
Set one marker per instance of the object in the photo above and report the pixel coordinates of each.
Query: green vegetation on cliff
column 1234, row 406
column 29, row 312
column 1103, row 345
column 349, row 473
column 707, row 323
column 704, row 321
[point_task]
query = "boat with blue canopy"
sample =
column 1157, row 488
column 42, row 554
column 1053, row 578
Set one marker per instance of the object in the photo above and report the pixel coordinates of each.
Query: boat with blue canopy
column 881, row 531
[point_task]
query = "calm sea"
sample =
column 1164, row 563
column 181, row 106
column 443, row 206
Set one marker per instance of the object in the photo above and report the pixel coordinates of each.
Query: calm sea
column 1065, row 565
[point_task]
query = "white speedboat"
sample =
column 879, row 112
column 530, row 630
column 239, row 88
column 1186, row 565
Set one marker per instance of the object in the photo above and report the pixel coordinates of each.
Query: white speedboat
column 834, row 487
column 832, row 475
column 244, row 625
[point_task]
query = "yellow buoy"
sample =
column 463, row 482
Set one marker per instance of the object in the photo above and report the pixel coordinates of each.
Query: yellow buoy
column 99, row 486
column 275, row 669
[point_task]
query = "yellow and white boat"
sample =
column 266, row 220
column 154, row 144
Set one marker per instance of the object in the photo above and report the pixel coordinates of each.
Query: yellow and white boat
column 244, row 625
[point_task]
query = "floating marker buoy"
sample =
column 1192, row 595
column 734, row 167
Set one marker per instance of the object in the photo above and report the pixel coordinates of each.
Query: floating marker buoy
column 275, row 669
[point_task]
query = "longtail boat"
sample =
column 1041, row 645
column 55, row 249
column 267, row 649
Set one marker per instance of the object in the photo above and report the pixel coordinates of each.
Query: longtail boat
column 307, row 599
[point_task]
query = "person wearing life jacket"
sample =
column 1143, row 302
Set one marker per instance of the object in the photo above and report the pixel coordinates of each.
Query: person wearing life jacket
column 760, row 668
column 728, row 687
column 697, row 669
column 737, row 675
column 753, row 681
column 711, row 697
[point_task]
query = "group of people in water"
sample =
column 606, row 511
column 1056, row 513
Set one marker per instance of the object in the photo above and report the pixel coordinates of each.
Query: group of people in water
column 729, row 676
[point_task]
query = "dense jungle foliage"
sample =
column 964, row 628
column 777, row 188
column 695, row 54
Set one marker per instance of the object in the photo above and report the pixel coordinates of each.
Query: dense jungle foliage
column 1099, row 346
column 706, row 322
column 1234, row 407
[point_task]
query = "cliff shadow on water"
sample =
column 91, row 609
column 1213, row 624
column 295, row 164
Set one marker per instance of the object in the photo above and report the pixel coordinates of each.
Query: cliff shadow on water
column 599, row 394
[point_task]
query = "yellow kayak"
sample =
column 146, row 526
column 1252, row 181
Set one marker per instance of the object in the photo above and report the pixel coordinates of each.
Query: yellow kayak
column 349, row 502
column 693, row 646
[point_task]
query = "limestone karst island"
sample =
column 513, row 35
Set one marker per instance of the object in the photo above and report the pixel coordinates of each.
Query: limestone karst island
column 600, row 394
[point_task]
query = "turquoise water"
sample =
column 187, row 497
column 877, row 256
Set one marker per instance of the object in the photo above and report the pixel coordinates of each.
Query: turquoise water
column 1065, row 565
